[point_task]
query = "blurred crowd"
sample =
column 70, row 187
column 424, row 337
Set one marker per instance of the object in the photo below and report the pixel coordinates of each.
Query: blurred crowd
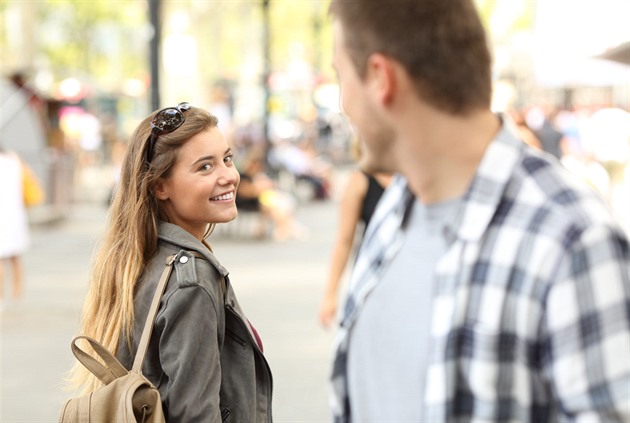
column 593, row 143
column 298, row 156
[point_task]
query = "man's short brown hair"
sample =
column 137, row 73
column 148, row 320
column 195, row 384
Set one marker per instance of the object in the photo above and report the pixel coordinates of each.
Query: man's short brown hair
column 441, row 44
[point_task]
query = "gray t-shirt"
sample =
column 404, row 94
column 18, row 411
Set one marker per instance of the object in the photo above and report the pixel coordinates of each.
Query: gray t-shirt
column 387, row 356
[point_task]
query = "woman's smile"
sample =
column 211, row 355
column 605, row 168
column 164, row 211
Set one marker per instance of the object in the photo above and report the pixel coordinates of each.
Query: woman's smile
column 224, row 197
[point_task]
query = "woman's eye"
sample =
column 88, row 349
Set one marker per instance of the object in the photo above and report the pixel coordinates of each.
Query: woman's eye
column 228, row 159
column 205, row 167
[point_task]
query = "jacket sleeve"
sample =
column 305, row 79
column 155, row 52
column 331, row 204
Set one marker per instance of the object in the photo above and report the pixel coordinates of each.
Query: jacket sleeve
column 190, row 356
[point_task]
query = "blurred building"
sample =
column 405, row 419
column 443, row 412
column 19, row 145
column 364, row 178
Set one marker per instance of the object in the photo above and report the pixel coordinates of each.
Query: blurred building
column 550, row 52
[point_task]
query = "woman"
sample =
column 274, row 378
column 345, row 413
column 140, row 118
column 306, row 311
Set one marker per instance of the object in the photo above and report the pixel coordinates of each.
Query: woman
column 177, row 181
column 14, row 231
column 358, row 203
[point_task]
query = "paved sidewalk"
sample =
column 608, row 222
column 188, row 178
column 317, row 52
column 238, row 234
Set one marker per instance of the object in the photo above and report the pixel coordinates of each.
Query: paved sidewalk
column 278, row 284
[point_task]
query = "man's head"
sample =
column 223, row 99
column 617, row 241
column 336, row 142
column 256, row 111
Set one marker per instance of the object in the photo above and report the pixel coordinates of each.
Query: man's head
column 441, row 44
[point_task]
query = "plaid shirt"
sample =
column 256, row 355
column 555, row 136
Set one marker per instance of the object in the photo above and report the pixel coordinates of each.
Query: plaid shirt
column 531, row 314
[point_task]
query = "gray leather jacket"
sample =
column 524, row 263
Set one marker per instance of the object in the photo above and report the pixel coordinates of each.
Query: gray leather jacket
column 203, row 356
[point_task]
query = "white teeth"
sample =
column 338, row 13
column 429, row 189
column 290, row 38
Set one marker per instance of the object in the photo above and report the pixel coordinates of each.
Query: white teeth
column 227, row 196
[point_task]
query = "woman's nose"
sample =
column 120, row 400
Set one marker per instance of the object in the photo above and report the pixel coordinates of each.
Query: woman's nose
column 229, row 175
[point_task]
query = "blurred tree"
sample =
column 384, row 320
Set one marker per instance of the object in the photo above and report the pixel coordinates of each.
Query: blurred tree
column 301, row 27
column 107, row 42
column 230, row 33
column 99, row 38
column 515, row 16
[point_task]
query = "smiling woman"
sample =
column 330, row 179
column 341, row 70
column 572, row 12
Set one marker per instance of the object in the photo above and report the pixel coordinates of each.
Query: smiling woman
column 204, row 356
column 200, row 186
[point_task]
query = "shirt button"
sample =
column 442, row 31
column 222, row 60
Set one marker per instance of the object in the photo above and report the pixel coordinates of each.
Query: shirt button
column 183, row 259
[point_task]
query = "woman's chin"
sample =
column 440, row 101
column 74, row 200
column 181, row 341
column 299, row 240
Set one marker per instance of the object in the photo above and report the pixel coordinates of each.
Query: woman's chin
column 227, row 217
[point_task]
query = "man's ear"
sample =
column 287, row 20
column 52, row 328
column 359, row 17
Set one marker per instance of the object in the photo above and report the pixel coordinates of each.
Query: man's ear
column 382, row 77
column 161, row 191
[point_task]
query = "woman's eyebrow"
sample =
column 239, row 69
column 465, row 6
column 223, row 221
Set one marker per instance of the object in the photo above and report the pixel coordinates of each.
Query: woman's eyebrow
column 210, row 158
column 203, row 159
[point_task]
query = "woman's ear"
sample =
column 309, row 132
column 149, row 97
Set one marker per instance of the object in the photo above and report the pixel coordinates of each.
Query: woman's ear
column 161, row 190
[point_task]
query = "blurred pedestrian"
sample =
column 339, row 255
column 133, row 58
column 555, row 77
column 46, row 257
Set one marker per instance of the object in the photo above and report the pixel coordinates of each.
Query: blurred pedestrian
column 490, row 285
column 304, row 164
column 523, row 130
column 258, row 193
column 542, row 123
column 358, row 202
column 177, row 181
column 14, row 231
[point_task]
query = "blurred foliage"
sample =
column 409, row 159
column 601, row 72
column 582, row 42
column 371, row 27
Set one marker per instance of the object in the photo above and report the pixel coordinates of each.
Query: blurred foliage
column 107, row 39
column 99, row 38
column 523, row 22
column 105, row 43
column 486, row 8
column 302, row 23
column 230, row 33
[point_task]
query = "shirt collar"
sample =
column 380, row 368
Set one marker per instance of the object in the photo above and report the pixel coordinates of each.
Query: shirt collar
column 484, row 193
column 488, row 185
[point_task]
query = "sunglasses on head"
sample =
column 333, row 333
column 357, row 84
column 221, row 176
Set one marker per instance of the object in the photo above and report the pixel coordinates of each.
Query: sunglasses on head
column 164, row 122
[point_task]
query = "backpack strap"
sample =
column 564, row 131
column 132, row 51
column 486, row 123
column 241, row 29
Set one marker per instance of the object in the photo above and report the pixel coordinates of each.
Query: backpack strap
column 148, row 325
column 112, row 369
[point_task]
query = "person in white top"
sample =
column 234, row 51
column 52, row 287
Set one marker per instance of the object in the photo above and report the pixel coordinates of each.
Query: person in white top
column 14, row 231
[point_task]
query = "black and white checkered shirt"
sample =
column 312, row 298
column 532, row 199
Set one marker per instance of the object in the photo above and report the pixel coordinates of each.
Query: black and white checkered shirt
column 531, row 314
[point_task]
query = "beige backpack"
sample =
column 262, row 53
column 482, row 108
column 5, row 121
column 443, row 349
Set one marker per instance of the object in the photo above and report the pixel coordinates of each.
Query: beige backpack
column 126, row 396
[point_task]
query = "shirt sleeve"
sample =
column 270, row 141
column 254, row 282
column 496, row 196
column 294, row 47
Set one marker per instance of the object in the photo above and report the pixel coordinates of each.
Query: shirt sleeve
column 587, row 325
column 190, row 356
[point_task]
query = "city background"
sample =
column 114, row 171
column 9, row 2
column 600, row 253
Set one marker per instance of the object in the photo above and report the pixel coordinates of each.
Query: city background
column 78, row 76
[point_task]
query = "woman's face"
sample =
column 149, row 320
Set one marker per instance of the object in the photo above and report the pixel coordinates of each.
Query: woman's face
column 201, row 188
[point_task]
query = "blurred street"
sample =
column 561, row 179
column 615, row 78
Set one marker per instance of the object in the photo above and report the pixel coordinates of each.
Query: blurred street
column 279, row 285
column 79, row 76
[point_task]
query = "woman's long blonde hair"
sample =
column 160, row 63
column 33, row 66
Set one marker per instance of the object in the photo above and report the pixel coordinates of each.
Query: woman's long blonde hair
column 131, row 237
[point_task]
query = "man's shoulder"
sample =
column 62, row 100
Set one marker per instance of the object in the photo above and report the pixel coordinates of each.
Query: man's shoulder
column 545, row 182
column 543, row 199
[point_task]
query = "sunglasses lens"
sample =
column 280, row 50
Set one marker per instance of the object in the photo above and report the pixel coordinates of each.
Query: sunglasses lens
column 168, row 120
column 164, row 122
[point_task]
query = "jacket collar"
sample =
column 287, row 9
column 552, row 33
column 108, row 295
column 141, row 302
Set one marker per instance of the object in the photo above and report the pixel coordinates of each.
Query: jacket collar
column 183, row 239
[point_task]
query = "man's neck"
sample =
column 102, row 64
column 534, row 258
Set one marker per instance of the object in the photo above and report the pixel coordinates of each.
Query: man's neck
column 440, row 153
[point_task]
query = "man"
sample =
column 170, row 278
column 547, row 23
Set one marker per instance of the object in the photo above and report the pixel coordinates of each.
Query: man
column 490, row 286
